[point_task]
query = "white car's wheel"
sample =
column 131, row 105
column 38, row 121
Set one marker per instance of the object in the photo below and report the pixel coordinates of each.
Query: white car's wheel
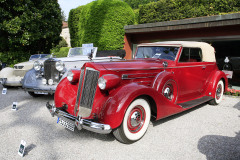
column 218, row 93
column 135, row 122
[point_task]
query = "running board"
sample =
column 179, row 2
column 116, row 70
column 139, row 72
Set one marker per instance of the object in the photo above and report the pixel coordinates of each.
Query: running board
column 195, row 102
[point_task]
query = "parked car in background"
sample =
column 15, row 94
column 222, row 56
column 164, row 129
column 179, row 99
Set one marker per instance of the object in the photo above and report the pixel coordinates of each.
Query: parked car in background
column 13, row 76
column 165, row 78
column 38, row 56
column 46, row 74
column 229, row 63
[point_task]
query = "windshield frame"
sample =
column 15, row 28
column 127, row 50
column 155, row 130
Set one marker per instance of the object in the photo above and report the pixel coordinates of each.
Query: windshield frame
column 70, row 53
column 154, row 55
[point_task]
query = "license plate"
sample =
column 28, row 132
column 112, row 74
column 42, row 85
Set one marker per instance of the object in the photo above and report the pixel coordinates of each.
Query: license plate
column 66, row 124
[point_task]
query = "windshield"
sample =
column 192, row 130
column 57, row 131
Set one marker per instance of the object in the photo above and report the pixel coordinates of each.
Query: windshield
column 37, row 56
column 161, row 52
column 80, row 51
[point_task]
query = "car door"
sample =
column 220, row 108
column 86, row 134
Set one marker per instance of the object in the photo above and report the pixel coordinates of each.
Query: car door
column 190, row 72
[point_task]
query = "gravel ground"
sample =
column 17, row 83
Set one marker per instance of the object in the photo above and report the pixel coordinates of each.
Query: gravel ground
column 205, row 132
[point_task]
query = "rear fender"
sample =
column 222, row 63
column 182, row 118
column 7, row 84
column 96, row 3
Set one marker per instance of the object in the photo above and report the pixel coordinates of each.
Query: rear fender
column 7, row 73
column 217, row 76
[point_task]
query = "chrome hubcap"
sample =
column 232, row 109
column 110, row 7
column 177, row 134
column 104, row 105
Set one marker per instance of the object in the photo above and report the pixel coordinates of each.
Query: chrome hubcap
column 136, row 119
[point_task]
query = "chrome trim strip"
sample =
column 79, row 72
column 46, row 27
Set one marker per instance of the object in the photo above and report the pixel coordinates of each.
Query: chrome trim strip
column 78, row 121
column 157, row 77
column 167, row 67
column 125, row 76
column 139, row 77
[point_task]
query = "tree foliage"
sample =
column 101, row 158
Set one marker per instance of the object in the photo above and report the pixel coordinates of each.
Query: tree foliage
column 135, row 3
column 102, row 23
column 166, row 10
column 29, row 26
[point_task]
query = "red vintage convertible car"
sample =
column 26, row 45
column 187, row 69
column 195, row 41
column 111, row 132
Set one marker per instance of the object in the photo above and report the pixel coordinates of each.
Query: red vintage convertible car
column 165, row 78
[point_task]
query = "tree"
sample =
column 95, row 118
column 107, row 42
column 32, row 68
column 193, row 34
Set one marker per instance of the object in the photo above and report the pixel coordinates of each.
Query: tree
column 63, row 16
column 29, row 26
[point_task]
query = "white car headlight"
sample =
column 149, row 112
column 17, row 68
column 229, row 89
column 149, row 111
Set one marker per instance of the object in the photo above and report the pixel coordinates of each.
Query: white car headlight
column 102, row 83
column 59, row 66
column 70, row 75
column 37, row 65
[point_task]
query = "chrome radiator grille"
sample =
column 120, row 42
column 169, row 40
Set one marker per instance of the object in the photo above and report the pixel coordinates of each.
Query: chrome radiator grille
column 50, row 70
column 86, row 91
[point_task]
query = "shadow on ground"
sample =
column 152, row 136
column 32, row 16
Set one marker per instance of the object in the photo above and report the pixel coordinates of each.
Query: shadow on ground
column 221, row 147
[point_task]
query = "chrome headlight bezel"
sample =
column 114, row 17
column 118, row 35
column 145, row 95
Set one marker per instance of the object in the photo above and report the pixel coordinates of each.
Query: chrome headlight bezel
column 59, row 66
column 37, row 65
column 102, row 83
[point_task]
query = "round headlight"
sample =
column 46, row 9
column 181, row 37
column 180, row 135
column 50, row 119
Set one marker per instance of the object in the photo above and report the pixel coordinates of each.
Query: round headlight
column 37, row 65
column 59, row 66
column 102, row 83
column 44, row 81
column 70, row 76
column 50, row 82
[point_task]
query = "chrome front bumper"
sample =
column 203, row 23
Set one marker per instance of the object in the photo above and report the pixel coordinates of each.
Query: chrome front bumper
column 70, row 121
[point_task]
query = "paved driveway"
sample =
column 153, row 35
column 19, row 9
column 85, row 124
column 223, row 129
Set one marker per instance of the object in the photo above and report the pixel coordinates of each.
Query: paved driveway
column 205, row 132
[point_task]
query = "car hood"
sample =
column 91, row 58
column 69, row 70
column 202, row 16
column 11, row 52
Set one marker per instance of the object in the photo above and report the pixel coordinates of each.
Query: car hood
column 140, row 64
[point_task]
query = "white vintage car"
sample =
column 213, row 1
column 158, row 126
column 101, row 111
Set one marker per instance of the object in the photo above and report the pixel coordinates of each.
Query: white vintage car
column 46, row 74
column 13, row 76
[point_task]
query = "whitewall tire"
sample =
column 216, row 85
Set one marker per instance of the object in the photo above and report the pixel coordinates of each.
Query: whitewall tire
column 135, row 122
column 218, row 93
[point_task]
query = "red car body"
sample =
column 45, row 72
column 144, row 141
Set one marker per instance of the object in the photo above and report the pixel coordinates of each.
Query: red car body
column 169, row 86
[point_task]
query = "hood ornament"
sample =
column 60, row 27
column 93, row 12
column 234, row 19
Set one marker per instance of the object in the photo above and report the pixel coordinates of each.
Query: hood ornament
column 52, row 55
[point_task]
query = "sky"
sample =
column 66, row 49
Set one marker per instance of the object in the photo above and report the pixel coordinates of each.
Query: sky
column 67, row 5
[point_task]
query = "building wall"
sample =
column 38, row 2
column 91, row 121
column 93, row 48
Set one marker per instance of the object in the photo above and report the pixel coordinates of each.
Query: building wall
column 66, row 35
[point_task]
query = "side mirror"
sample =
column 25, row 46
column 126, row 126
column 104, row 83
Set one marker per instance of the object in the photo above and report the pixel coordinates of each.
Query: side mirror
column 165, row 64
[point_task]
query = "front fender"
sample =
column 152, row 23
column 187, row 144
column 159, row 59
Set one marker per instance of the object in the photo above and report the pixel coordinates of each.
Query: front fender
column 29, row 79
column 217, row 76
column 114, row 109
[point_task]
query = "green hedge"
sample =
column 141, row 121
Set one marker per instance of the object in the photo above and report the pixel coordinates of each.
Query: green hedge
column 60, row 52
column 102, row 23
column 167, row 10
column 73, row 24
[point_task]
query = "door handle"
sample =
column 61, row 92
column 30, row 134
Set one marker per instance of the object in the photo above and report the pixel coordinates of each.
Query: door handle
column 204, row 67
